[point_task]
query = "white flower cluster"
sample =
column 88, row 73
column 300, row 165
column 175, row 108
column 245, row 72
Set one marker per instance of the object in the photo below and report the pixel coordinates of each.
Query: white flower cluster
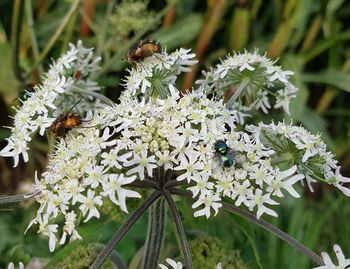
column 251, row 81
column 127, row 143
column 178, row 265
column 313, row 160
column 76, row 181
column 154, row 74
column 180, row 133
column 343, row 263
column 177, row 133
column 328, row 264
column 36, row 113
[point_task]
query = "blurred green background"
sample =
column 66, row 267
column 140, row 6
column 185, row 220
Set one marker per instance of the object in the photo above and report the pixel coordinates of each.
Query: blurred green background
column 310, row 37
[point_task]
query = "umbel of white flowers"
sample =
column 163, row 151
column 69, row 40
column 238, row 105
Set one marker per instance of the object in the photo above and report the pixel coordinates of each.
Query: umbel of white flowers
column 328, row 264
column 156, row 130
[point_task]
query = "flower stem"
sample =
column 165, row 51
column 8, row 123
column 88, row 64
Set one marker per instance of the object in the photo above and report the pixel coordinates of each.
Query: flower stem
column 17, row 16
column 55, row 36
column 123, row 229
column 155, row 234
column 17, row 198
column 238, row 92
column 32, row 35
column 264, row 224
column 180, row 229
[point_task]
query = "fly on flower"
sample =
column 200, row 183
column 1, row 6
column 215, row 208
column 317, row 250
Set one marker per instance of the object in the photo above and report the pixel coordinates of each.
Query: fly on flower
column 142, row 50
column 24, row 94
column 66, row 122
column 224, row 153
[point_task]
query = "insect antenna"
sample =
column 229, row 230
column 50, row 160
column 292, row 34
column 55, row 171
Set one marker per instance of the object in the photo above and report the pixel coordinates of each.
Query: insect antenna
column 85, row 127
column 143, row 67
column 160, row 59
column 75, row 104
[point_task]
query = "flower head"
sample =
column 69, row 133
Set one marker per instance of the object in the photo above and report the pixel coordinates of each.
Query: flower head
column 45, row 103
column 249, row 81
column 156, row 75
column 328, row 264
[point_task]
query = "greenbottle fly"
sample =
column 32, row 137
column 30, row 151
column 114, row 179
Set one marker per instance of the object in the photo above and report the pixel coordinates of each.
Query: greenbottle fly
column 224, row 153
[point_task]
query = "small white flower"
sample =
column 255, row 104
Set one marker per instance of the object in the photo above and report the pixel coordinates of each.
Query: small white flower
column 259, row 200
column 114, row 184
column 142, row 162
column 178, row 265
column 191, row 167
column 69, row 228
column 285, row 180
column 172, row 263
column 88, row 205
column 328, row 264
column 202, row 186
column 242, row 193
column 48, row 230
column 209, row 201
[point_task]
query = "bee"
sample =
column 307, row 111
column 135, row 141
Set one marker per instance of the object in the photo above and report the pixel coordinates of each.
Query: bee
column 224, row 153
column 142, row 50
column 66, row 122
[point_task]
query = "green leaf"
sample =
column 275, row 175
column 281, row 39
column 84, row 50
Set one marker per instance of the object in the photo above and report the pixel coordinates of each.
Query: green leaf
column 9, row 85
column 316, row 124
column 247, row 229
column 333, row 77
column 181, row 32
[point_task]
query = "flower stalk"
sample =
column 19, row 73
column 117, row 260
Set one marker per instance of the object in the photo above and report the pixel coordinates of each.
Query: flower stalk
column 155, row 234
column 124, row 229
column 180, row 229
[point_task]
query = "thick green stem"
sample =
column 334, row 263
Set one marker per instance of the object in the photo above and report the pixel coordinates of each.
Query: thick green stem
column 123, row 230
column 180, row 229
column 155, row 234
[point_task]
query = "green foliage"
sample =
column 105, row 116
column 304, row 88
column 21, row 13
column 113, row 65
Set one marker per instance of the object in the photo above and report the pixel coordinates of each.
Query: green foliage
column 76, row 256
column 208, row 251
column 111, row 211
column 130, row 16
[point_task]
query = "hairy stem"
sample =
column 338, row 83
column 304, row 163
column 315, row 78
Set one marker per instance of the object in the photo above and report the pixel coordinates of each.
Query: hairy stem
column 32, row 35
column 264, row 224
column 155, row 234
column 17, row 16
column 180, row 229
column 56, row 35
column 17, row 198
column 123, row 230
